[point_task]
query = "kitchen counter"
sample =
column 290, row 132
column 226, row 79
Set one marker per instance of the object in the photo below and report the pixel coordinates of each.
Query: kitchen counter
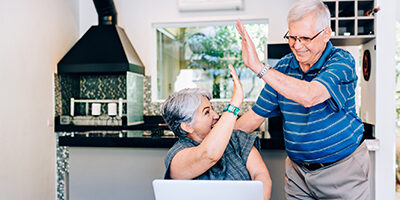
column 122, row 140
column 152, row 134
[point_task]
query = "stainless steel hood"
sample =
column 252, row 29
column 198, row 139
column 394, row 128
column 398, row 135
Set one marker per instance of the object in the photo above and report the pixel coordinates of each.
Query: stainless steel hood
column 103, row 49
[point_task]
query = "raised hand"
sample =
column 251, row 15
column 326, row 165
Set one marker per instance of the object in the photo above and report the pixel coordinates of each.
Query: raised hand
column 237, row 94
column 249, row 53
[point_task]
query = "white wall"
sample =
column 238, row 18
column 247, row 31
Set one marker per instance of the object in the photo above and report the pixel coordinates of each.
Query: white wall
column 397, row 10
column 385, row 101
column 127, row 173
column 137, row 17
column 33, row 37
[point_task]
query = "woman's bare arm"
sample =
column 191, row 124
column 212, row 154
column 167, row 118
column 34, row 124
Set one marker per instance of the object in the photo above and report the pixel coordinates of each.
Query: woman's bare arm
column 259, row 171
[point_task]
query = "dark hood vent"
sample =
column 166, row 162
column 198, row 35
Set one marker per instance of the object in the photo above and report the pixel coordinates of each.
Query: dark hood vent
column 104, row 49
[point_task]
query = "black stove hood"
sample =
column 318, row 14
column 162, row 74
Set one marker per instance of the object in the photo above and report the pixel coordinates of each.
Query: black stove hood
column 103, row 49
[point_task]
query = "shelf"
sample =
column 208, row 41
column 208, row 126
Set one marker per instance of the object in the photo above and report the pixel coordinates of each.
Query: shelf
column 346, row 9
column 351, row 40
column 351, row 20
column 364, row 6
column 365, row 27
column 346, row 27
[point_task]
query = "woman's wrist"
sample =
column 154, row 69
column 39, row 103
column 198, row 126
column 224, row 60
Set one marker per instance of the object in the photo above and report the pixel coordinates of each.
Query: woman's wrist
column 232, row 109
column 235, row 103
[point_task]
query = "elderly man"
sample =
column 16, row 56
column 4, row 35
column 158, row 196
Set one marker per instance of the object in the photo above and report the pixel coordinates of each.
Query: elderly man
column 313, row 89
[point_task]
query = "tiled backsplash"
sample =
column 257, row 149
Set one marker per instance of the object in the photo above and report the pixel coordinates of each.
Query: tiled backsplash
column 87, row 87
column 102, row 87
column 154, row 108
column 111, row 87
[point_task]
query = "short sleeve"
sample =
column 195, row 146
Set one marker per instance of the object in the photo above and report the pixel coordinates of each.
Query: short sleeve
column 243, row 143
column 340, row 79
column 178, row 146
column 267, row 103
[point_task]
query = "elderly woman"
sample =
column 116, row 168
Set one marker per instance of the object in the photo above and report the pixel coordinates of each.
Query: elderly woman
column 208, row 147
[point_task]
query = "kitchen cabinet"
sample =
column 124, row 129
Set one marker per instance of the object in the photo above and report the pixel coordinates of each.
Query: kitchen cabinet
column 352, row 21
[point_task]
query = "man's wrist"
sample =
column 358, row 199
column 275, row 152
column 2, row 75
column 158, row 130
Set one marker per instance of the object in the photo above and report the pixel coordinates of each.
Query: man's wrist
column 264, row 70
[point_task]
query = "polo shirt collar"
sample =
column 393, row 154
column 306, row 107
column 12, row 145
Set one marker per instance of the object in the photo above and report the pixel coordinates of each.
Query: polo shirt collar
column 328, row 50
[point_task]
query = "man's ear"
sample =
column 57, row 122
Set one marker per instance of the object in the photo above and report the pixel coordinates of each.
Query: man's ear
column 186, row 127
column 327, row 34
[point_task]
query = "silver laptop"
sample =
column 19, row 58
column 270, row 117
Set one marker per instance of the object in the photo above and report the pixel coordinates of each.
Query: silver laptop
column 207, row 190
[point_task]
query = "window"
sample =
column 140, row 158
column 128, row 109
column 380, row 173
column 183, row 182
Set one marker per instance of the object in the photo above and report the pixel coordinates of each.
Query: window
column 198, row 54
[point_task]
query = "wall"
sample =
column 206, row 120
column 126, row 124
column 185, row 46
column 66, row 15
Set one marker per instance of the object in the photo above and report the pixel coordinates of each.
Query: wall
column 397, row 9
column 385, row 101
column 137, row 19
column 34, row 36
column 127, row 173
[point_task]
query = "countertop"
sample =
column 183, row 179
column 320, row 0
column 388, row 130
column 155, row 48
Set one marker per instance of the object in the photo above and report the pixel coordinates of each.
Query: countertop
column 124, row 140
column 153, row 133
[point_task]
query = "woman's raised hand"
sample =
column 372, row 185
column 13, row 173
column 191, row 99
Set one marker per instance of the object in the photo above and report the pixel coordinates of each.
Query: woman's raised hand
column 249, row 53
column 237, row 94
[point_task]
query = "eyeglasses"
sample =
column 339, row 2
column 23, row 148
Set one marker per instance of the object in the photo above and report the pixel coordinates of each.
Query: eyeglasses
column 302, row 39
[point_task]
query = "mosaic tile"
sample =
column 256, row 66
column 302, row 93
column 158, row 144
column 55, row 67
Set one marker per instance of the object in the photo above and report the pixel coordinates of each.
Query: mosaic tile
column 57, row 96
column 154, row 108
column 69, row 87
column 102, row 87
column 113, row 87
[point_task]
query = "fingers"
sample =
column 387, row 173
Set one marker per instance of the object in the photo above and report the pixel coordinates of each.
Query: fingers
column 234, row 74
column 240, row 28
column 237, row 94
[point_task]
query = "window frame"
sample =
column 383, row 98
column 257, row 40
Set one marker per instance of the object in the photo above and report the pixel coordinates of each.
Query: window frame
column 195, row 23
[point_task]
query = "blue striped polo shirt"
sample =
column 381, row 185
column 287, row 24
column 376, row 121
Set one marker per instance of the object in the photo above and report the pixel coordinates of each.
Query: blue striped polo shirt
column 326, row 132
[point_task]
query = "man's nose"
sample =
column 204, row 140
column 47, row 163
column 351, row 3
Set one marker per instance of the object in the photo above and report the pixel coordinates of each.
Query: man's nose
column 297, row 44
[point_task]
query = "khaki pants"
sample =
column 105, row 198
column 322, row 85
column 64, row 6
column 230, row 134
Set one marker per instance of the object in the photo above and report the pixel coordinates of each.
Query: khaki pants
column 345, row 179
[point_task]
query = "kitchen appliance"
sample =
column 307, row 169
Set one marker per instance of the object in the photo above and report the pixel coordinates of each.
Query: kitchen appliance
column 96, row 107
column 368, row 82
column 112, row 109
column 96, row 117
column 103, row 61
column 104, row 48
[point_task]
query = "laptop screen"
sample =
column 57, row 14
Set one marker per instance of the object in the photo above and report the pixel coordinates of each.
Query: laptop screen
column 207, row 189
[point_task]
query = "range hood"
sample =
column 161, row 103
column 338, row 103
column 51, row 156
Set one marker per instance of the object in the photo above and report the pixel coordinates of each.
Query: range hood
column 103, row 49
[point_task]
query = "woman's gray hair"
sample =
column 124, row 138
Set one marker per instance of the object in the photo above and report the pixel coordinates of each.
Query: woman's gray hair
column 181, row 107
column 304, row 7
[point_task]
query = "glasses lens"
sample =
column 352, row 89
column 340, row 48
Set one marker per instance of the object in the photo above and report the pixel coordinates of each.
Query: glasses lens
column 305, row 40
column 290, row 38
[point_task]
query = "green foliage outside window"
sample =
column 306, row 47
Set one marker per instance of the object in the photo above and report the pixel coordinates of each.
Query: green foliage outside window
column 215, row 50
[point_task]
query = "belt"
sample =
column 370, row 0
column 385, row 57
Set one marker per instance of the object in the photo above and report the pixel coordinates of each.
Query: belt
column 315, row 166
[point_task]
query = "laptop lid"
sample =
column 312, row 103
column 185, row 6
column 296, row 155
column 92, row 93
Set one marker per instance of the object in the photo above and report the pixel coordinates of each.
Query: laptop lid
column 207, row 189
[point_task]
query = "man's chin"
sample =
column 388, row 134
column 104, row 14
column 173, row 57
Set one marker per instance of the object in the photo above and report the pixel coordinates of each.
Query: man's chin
column 301, row 57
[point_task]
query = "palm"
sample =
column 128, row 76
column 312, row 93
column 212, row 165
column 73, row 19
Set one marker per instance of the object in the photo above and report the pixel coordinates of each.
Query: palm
column 237, row 94
column 249, row 53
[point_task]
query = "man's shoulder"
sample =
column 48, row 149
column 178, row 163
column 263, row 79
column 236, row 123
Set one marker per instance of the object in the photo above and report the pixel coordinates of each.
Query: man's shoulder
column 284, row 62
column 287, row 58
column 340, row 55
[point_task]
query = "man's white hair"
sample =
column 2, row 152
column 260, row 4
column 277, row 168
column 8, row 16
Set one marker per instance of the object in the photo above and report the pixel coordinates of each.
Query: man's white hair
column 304, row 7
